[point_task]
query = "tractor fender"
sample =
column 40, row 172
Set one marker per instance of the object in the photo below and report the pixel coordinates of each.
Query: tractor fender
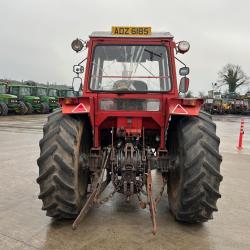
column 78, row 105
column 184, row 106
column 75, row 105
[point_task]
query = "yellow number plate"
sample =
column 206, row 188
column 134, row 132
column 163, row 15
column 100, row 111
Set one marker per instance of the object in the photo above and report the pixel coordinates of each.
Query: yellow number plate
column 131, row 31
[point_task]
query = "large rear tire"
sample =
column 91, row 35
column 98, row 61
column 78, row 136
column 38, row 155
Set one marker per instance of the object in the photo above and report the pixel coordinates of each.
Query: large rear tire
column 194, row 176
column 3, row 109
column 63, row 183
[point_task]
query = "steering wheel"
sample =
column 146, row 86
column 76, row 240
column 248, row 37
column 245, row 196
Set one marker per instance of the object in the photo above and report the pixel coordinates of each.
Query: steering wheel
column 140, row 85
column 130, row 85
column 122, row 85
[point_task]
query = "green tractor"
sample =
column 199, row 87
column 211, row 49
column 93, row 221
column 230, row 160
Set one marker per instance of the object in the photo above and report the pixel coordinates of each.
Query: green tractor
column 24, row 94
column 53, row 92
column 49, row 101
column 10, row 103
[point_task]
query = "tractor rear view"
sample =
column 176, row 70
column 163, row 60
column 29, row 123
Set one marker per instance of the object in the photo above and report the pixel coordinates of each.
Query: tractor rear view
column 128, row 121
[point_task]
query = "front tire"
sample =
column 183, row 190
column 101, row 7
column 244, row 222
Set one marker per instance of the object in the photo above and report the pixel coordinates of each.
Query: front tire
column 22, row 108
column 194, row 176
column 3, row 109
column 63, row 183
column 44, row 108
column 30, row 108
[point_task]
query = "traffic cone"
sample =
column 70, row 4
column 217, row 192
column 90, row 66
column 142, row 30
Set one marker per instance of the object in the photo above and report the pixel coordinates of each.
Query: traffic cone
column 240, row 146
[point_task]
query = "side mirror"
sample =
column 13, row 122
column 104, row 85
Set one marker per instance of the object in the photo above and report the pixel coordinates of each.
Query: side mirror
column 184, row 71
column 77, row 84
column 78, row 69
column 184, row 84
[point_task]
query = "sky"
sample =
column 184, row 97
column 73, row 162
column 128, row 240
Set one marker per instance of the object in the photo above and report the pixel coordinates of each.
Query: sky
column 35, row 35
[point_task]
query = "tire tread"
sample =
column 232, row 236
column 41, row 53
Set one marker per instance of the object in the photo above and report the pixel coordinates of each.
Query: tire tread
column 57, row 176
column 199, row 188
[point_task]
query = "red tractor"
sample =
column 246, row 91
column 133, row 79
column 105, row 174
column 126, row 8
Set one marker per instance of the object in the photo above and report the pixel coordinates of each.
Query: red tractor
column 127, row 119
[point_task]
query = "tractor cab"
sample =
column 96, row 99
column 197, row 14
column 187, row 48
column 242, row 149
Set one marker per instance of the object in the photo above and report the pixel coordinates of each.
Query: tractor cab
column 52, row 92
column 66, row 93
column 4, row 96
column 3, row 88
column 22, row 91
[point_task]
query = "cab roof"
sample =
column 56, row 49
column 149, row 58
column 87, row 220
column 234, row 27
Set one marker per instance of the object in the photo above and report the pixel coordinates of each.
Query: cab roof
column 108, row 34
column 20, row 85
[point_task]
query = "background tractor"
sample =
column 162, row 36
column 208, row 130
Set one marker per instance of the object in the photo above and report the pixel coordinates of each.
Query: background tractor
column 52, row 92
column 24, row 94
column 213, row 106
column 129, row 117
column 237, row 106
column 226, row 105
column 64, row 92
column 217, row 106
column 10, row 103
column 245, row 105
column 208, row 105
column 49, row 102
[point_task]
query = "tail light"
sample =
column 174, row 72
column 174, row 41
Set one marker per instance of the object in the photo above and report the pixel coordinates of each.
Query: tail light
column 70, row 101
column 189, row 102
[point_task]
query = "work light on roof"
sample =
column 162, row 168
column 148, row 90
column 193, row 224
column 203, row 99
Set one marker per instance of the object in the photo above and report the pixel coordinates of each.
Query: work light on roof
column 77, row 45
column 183, row 47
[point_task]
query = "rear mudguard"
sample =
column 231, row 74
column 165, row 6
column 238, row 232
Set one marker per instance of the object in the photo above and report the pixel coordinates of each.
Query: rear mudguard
column 78, row 105
column 185, row 106
column 75, row 105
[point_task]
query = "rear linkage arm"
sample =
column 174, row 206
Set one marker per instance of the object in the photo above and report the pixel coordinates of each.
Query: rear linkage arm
column 151, row 202
column 98, row 187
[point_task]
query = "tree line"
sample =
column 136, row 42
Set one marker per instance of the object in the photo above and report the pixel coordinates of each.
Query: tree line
column 230, row 75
